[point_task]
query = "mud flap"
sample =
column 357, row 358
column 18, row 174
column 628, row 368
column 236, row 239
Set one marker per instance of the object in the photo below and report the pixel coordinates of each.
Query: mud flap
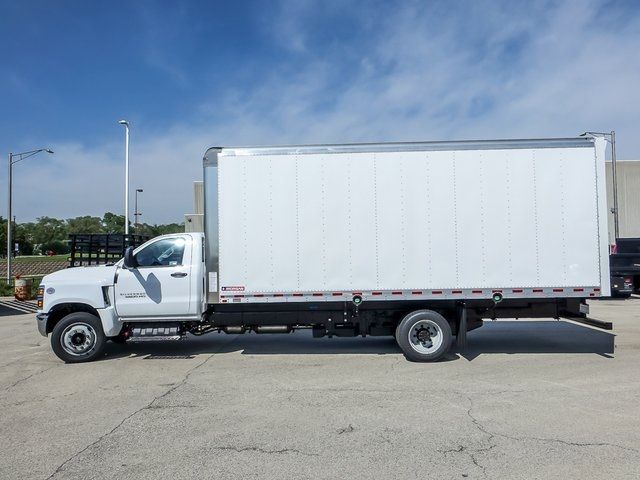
column 461, row 336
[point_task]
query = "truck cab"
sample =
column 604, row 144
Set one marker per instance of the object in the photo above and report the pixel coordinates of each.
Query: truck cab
column 159, row 283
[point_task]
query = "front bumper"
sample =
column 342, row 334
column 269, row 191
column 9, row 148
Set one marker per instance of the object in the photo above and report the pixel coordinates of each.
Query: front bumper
column 42, row 323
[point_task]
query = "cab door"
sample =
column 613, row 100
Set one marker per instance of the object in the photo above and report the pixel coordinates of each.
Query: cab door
column 160, row 284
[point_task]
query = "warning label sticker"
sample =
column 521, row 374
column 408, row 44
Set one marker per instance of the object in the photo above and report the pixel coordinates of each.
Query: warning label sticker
column 233, row 289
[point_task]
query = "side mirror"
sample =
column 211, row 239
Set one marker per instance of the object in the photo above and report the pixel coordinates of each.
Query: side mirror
column 129, row 258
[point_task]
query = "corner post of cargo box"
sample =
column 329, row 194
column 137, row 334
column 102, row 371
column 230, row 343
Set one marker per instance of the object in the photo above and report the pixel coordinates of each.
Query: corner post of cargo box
column 603, row 227
column 211, row 223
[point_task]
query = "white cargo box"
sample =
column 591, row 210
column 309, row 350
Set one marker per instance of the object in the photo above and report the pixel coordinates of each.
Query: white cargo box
column 430, row 220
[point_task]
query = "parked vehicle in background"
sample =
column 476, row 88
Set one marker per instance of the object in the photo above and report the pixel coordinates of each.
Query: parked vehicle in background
column 625, row 267
column 422, row 241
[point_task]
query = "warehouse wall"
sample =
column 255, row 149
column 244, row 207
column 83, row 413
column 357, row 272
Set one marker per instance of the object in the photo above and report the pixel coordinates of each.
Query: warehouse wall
column 628, row 198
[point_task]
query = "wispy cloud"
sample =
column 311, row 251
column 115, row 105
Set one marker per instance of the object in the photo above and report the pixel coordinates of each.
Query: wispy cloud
column 412, row 71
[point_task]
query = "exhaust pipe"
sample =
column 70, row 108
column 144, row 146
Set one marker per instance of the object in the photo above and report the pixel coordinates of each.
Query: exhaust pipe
column 273, row 329
column 234, row 330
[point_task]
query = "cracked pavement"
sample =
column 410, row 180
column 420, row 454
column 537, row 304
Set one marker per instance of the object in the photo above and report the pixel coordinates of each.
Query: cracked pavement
column 526, row 400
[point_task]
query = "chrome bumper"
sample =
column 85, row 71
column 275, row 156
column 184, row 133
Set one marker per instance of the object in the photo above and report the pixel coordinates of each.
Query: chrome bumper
column 42, row 323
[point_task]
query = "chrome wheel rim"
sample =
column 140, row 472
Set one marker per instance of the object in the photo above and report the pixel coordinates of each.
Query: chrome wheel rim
column 425, row 336
column 78, row 338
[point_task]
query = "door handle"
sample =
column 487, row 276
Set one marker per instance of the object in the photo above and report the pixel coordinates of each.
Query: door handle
column 179, row 274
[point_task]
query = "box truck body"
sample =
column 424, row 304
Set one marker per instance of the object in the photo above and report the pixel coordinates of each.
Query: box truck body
column 416, row 221
column 422, row 241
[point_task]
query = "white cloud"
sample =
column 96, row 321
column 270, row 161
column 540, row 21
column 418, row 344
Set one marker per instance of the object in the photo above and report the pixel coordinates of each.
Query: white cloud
column 485, row 71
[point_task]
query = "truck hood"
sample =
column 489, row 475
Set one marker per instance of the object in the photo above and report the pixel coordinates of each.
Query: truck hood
column 98, row 275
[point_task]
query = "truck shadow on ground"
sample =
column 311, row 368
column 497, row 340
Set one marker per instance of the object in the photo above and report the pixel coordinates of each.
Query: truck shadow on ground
column 502, row 337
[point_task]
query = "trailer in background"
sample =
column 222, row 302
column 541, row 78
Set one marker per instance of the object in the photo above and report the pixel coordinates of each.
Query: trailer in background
column 100, row 248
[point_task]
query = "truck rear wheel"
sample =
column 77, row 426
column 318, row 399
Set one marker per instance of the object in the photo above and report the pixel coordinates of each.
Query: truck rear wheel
column 424, row 336
column 78, row 337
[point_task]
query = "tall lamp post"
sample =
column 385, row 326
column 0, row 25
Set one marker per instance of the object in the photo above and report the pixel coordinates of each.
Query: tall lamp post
column 126, row 175
column 136, row 213
column 13, row 159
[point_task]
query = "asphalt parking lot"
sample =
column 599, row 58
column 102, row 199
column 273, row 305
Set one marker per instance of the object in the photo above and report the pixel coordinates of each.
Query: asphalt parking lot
column 541, row 399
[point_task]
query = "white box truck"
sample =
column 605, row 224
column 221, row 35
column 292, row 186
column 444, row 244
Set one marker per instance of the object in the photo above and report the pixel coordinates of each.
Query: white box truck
column 417, row 240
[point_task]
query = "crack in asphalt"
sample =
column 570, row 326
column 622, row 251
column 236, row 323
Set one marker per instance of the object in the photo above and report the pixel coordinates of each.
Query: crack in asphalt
column 348, row 429
column 473, row 453
column 148, row 406
column 18, row 382
column 491, row 435
column 262, row 450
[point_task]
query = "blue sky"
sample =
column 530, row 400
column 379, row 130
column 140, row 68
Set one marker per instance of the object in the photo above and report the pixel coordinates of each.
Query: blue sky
column 193, row 74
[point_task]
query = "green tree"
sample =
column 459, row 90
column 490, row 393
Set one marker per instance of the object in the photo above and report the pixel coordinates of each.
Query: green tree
column 3, row 236
column 85, row 224
column 112, row 223
column 47, row 229
column 155, row 230
column 23, row 236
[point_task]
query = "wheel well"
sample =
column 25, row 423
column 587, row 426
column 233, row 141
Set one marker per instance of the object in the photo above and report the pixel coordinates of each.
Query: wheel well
column 58, row 312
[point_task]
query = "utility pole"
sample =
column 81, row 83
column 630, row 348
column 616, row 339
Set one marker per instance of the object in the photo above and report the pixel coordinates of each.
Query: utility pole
column 126, row 175
column 614, row 178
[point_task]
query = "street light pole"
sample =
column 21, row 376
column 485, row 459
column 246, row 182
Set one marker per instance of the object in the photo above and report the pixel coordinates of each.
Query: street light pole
column 126, row 175
column 20, row 157
column 136, row 214
column 9, row 249
column 614, row 179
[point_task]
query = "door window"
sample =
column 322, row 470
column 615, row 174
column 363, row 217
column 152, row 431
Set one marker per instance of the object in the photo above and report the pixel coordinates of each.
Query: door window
column 163, row 253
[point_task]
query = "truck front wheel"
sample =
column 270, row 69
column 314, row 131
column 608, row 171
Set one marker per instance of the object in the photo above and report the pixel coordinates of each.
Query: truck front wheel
column 424, row 336
column 78, row 337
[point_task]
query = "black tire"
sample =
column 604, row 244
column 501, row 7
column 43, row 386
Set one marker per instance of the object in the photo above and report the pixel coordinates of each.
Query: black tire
column 78, row 337
column 433, row 347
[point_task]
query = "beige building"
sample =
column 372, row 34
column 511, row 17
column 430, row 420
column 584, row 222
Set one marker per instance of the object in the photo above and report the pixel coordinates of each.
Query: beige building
column 194, row 222
column 628, row 172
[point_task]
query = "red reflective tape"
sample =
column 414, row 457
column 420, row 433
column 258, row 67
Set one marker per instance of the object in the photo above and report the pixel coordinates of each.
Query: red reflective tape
column 396, row 293
column 337, row 294
column 476, row 291
column 376, row 293
column 317, row 294
column 357, row 293
column 456, row 291
column 297, row 294
column 558, row 289
column 258, row 295
column 238, row 296
column 578, row 289
column 497, row 291
column 416, row 293
column 517, row 290
column 537, row 290
column 278, row 294
column 436, row 292
column 596, row 289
